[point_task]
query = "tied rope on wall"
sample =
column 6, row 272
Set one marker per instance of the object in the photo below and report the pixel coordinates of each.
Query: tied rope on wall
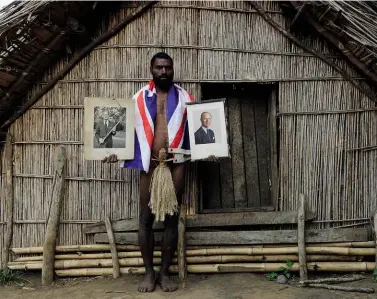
column 163, row 199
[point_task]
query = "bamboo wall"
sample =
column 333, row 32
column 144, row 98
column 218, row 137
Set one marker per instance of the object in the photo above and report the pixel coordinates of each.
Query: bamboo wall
column 226, row 43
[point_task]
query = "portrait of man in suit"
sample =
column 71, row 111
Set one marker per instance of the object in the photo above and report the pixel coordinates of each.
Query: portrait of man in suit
column 204, row 134
column 104, row 132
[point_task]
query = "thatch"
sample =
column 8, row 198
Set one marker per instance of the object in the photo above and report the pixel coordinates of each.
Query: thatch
column 36, row 34
column 349, row 27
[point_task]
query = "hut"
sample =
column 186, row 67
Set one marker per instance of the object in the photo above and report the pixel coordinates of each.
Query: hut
column 298, row 81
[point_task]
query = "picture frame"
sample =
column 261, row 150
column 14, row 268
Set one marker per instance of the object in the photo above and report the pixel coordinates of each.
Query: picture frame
column 109, row 128
column 207, row 130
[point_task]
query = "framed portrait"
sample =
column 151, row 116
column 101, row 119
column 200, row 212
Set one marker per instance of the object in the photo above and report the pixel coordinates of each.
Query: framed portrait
column 207, row 130
column 109, row 128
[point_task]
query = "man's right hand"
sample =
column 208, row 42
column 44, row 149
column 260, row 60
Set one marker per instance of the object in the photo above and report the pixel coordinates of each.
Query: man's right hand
column 100, row 140
column 110, row 159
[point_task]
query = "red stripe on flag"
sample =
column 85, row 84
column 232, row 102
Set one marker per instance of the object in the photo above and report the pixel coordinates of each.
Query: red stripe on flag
column 146, row 125
column 191, row 97
column 179, row 135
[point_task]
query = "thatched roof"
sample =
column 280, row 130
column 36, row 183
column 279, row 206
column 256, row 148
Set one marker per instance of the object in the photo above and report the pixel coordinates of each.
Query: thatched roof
column 349, row 26
column 35, row 34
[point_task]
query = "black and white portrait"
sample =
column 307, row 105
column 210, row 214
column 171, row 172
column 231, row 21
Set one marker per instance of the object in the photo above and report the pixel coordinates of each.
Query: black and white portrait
column 207, row 130
column 109, row 128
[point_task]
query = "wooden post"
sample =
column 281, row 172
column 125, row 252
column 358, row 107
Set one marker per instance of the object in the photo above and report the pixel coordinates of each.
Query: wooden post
column 375, row 234
column 8, row 155
column 301, row 238
column 181, row 250
column 57, row 196
column 114, row 252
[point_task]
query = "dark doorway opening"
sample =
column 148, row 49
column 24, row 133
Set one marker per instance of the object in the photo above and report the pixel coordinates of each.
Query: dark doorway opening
column 248, row 181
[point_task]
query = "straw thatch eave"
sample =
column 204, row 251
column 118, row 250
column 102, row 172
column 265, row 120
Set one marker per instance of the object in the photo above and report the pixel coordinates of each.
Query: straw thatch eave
column 34, row 36
column 349, row 27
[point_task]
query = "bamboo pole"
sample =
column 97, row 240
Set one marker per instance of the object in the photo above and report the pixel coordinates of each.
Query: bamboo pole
column 301, row 238
column 228, row 268
column 105, row 247
column 114, row 252
column 223, row 250
column 199, row 259
column 57, row 196
column 9, row 198
column 181, row 248
column 74, row 248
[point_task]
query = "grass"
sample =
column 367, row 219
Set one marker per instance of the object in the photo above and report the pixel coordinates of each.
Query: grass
column 7, row 275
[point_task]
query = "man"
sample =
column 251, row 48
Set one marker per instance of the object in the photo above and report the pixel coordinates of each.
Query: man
column 160, row 123
column 104, row 128
column 204, row 134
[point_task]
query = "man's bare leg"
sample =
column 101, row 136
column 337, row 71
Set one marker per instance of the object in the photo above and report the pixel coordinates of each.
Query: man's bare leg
column 170, row 238
column 145, row 235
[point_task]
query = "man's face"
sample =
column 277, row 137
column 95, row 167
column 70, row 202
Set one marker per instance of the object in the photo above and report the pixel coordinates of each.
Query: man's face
column 163, row 73
column 105, row 115
column 206, row 120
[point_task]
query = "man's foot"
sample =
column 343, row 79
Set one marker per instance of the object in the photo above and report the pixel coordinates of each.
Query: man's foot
column 166, row 284
column 148, row 284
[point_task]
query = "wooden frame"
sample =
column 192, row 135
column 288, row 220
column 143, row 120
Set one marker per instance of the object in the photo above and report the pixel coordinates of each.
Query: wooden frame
column 274, row 154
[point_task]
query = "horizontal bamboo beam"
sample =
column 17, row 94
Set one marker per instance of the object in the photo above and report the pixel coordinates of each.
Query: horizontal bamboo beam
column 58, row 107
column 209, row 238
column 244, row 80
column 194, row 259
column 73, row 248
column 138, row 261
column 49, row 142
column 39, row 221
column 213, row 8
column 204, row 48
column 230, row 268
column 326, row 112
column 370, row 147
column 340, row 220
column 212, row 220
column 37, row 176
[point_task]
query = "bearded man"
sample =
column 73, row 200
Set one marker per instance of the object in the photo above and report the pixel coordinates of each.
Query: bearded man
column 161, row 123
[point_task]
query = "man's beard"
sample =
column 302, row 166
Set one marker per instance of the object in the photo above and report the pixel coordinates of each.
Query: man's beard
column 163, row 84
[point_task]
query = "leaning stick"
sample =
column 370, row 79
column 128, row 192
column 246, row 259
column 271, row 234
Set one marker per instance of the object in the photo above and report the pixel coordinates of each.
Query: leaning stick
column 340, row 288
column 334, row 280
column 181, row 250
column 8, row 199
column 57, row 195
column 301, row 238
column 114, row 252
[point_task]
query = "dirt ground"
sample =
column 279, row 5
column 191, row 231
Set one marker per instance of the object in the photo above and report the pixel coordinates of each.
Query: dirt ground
column 220, row 286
